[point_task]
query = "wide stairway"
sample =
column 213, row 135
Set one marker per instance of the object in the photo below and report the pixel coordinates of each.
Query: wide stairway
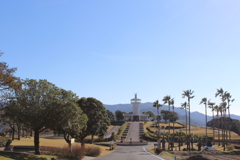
column 133, row 134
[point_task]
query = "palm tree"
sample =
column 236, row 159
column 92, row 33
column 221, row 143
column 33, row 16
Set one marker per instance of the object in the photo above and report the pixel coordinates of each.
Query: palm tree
column 204, row 101
column 188, row 94
column 223, row 105
column 180, row 136
column 222, row 111
column 187, row 139
column 158, row 134
column 211, row 105
column 163, row 139
column 167, row 99
column 200, row 140
column 172, row 103
column 228, row 98
column 157, row 105
column 184, row 106
column 218, row 109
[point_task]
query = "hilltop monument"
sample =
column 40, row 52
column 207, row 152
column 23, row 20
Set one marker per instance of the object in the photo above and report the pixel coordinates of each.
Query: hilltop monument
column 136, row 116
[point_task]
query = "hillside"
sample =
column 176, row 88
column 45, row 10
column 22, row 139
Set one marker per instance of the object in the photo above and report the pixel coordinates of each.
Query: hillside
column 197, row 118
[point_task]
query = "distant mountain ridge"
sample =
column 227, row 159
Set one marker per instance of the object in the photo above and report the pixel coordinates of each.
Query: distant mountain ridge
column 197, row 118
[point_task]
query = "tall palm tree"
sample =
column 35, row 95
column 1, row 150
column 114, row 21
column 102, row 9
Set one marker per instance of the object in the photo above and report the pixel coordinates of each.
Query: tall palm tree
column 228, row 98
column 204, row 101
column 172, row 103
column 167, row 99
column 220, row 93
column 157, row 105
column 218, row 109
column 184, row 106
column 222, row 111
column 188, row 94
column 211, row 105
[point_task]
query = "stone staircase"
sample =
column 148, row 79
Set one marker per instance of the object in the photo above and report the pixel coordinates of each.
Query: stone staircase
column 125, row 132
column 141, row 131
column 132, row 135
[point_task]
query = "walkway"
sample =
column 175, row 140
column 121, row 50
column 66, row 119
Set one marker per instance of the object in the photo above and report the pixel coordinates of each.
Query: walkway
column 133, row 132
column 129, row 153
column 109, row 132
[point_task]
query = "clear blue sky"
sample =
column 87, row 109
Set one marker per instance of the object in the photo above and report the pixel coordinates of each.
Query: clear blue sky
column 111, row 49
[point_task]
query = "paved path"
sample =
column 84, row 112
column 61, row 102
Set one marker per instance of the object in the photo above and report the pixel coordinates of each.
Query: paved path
column 109, row 132
column 133, row 132
column 130, row 153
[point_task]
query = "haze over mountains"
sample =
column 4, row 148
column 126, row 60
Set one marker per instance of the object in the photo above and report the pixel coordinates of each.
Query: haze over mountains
column 197, row 118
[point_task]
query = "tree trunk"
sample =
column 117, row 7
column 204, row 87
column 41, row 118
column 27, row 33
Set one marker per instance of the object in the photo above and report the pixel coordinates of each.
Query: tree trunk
column 92, row 139
column 229, row 128
column 206, row 121
column 169, row 118
column 13, row 132
column 82, row 144
column 222, row 130
column 186, row 120
column 173, row 122
column 218, row 130
column 213, row 129
column 36, row 142
column 179, row 144
column 199, row 146
column 22, row 132
column 189, row 130
column 158, row 117
column 19, row 132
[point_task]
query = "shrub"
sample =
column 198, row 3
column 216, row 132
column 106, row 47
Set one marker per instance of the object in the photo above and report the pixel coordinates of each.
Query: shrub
column 92, row 151
column 197, row 157
column 5, row 142
column 120, row 131
column 77, row 152
column 230, row 147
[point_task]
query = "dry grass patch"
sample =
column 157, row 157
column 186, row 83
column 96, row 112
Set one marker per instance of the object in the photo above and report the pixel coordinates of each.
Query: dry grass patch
column 59, row 142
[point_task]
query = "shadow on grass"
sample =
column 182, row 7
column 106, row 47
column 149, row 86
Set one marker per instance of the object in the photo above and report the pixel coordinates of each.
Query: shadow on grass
column 20, row 156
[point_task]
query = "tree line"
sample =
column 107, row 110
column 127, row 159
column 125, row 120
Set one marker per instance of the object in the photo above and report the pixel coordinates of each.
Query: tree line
column 221, row 111
column 37, row 105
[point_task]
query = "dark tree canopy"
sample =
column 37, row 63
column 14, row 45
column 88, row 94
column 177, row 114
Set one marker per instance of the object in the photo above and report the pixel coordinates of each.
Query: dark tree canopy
column 218, row 122
column 150, row 113
column 37, row 106
column 119, row 115
column 111, row 116
column 98, row 120
column 7, row 79
column 73, row 120
column 173, row 116
column 169, row 115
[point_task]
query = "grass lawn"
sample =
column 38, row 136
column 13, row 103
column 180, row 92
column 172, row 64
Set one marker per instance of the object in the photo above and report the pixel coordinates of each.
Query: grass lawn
column 200, row 131
column 163, row 154
column 23, row 156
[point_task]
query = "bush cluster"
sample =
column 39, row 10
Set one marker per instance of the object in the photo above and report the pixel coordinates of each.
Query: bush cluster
column 77, row 152
column 92, row 151
column 5, row 142
column 230, row 147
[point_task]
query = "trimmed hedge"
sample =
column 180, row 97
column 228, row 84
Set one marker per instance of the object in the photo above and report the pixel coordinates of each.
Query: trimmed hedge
column 120, row 131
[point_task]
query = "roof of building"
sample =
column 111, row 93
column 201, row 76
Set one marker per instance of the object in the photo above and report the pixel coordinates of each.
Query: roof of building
column 129, row 115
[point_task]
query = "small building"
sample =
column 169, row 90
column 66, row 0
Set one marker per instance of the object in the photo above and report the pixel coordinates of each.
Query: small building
column 135, row 116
